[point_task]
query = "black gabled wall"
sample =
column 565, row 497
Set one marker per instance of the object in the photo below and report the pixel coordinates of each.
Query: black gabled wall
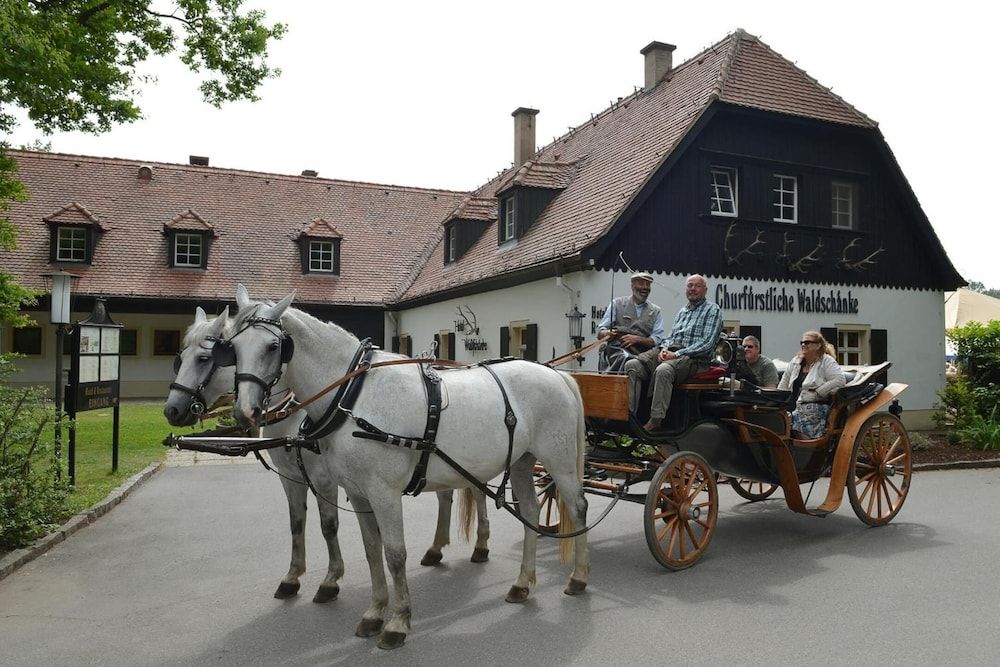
column 466, row 232
column 672, row 229
column 529, row 204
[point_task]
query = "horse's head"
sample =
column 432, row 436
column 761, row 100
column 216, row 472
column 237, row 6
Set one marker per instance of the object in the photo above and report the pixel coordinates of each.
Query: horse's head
column 199, row 381
column 259, row 347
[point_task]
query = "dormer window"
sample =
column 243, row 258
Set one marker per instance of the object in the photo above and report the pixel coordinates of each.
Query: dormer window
column 450, row 243
column 188, row 236
column 319, row 248
column 73, row 233
column 508, row 218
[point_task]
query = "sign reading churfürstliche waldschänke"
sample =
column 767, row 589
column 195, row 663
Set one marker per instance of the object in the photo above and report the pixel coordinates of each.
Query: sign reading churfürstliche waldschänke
column 787, row 300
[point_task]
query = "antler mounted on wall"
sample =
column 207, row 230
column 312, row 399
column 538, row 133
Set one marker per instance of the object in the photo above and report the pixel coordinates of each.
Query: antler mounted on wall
column 785, row 257
column 860, row 264
column 749, row 250
column 470, row 326
column 804, row 263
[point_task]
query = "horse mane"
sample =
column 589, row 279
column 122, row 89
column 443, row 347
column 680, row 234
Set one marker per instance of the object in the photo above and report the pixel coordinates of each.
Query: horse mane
column 195, row 333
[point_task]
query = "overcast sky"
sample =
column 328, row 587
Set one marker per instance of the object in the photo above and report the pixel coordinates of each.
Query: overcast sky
column 420, row 94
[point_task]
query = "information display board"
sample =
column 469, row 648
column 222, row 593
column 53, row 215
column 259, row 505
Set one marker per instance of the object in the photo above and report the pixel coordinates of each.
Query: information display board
column 96, row 363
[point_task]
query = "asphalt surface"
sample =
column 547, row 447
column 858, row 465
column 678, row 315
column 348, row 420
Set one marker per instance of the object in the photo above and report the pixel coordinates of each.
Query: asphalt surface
column 182, row 573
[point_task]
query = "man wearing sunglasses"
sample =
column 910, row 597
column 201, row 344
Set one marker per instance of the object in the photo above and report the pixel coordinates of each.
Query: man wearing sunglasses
column 762, row 368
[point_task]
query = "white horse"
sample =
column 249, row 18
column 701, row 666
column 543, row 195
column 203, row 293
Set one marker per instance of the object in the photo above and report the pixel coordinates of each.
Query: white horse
column 472, row 431
column 199, row 382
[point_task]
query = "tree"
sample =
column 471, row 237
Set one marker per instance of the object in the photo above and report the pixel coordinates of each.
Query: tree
column 977, row 286
column 72, row 65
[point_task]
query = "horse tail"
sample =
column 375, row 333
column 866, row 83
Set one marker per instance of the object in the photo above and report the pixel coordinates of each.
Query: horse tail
column 566, row 547
column 466, row 512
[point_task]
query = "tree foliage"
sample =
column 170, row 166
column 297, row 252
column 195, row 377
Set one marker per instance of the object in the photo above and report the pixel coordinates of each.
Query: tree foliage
column 977, row 286
column 971, row 399
column 74, row 65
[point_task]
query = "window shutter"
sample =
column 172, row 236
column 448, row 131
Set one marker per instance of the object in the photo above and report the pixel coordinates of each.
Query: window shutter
column 830, row 334
column 451, row 347
column 437, row 344
column 880, row 345
column 395, row 344
column 504, row 341
column 171, row 249
column 205, row 242
column 91, row 242
column 336, row 257
column 304, row 253
column 53, row 242
column 531, row 342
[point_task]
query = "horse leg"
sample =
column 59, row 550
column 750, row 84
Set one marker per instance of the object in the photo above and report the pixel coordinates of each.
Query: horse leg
column 442, row 532
column 329, row 589
column 295, row 494
column 527, row 503
column 389, row 513
column 481, row 553
column 372, row 619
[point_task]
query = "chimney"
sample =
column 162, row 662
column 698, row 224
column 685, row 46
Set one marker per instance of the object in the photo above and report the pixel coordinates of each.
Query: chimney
column 311, row 173
column 659, row 61
column 198, row 161
column 524, row 134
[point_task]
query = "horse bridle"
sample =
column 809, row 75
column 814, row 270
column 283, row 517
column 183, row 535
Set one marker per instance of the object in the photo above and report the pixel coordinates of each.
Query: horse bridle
column 198, row 401
column 224, row 355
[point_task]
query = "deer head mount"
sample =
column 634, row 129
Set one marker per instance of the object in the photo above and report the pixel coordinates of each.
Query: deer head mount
column 732, row 259
column 468, row 326
column 849, row 264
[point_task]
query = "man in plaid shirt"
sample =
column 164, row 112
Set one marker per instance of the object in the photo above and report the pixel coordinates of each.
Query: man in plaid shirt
column 687, row 350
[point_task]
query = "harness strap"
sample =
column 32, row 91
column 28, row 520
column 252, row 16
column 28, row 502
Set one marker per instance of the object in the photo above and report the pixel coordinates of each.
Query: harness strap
column 346, row 395
column 432, row 381
column 510, row 420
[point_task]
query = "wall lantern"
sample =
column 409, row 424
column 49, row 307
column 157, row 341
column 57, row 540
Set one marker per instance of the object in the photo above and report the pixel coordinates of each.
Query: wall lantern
column 576, row 330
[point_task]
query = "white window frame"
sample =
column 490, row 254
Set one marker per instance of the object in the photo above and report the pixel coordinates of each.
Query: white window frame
column 841, row 207
column 189, row 243
column 718, row 200
column 779, row 202
column 321, row 256
column 71, row 244
column 862, row 350
column 452, row 244
column 509, row 218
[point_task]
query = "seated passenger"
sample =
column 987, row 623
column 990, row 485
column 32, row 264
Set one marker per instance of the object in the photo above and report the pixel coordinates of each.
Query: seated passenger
column 636, row 323
column 762, row 368
column 813, row 375
column 688, row 350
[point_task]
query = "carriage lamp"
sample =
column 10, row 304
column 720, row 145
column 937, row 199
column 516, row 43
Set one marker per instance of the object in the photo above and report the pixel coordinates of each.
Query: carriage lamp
column 60, row 313
column 576, row 330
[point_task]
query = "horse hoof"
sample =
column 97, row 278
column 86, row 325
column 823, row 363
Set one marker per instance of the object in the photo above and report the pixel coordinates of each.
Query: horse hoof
column 431, row 558
column 369, row 627
column 517, row 594
column 575, row 587
column 390, row 640
column 480, row 555
column 286, row 590
column 326, row 593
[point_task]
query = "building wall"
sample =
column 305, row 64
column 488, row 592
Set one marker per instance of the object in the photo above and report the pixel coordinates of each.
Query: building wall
column 913, row 319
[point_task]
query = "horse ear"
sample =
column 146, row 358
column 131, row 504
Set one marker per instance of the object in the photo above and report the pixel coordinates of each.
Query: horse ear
column 242, row 296
column 219, row 323
column 278, row 309
column 199, row 315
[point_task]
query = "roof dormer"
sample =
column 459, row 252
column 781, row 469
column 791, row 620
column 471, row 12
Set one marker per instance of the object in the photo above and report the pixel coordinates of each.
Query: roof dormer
column 73, row 235
column 319, row 248
column 466, row 224
column 523, row 195
column 188, row 239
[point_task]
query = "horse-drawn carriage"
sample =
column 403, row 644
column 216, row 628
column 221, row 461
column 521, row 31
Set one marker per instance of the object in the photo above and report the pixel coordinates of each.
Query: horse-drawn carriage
column 720, row 428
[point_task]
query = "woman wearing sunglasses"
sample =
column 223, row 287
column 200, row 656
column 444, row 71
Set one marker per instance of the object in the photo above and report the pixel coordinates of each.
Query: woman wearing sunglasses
column 813, row 375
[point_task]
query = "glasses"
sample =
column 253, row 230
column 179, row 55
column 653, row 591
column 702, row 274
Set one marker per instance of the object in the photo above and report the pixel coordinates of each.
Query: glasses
column 807, row 342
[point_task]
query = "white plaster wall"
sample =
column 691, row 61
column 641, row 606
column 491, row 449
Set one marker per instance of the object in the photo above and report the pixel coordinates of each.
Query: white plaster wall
column 142, row 376
column 914, row 321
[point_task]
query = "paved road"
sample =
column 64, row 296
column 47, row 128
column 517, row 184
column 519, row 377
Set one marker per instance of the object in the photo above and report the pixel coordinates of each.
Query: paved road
column 183, row 572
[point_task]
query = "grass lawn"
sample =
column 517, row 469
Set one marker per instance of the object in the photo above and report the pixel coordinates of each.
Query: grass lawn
column 141, row 429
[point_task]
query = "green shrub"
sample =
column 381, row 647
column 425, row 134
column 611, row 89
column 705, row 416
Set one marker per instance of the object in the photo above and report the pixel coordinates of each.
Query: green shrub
column 977, row 348
column 981, row 432
column 32, row 497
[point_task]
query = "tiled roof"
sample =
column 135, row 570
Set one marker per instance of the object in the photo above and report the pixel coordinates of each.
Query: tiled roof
column 475, row 208
column 617, row 151
column 257, row 217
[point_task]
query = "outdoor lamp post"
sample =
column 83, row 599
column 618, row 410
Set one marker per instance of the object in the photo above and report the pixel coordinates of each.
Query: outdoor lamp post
column 576, row 330
column 60, row 314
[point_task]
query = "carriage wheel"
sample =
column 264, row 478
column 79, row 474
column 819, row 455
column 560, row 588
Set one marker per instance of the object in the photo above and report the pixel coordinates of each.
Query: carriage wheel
column 548, row 502
column 881, row 464
column 682, row 506
column 751, row 490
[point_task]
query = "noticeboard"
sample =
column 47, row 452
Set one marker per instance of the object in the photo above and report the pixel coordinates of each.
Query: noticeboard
column 96, row 362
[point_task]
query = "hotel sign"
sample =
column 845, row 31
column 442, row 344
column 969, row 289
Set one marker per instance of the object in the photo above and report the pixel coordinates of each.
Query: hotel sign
column 787, row 300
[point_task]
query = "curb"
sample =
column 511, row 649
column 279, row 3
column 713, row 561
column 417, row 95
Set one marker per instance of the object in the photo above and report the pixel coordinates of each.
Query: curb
column 17, row 558
column 958, row 465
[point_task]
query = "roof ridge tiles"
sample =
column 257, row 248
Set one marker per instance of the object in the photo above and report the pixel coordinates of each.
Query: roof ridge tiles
column 96, row 159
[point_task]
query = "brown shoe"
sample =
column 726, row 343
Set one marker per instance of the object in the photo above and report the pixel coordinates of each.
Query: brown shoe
column 653, row 425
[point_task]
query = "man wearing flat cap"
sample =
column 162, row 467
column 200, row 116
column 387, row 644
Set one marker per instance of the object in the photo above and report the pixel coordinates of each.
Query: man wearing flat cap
column 631, row 325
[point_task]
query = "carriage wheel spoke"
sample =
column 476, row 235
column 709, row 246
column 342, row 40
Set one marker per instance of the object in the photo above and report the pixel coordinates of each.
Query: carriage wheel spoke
column 667, row 528
column 895, row 488
column 867, row 489
column 690, row 532
column 892, row 448
column 664, row 496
